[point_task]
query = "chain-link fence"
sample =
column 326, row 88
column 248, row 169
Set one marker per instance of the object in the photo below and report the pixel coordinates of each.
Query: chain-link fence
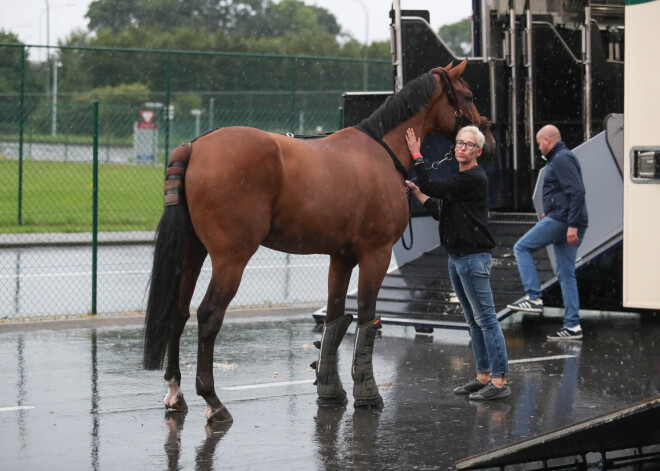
column 78, row 211
column 81, row 183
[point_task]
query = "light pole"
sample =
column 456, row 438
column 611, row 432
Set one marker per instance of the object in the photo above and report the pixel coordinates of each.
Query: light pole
column 196, row 113
column 48, row 49
column 365, row 75
column 54, row 65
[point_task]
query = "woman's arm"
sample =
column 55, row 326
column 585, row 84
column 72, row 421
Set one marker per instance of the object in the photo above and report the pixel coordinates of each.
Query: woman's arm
column 431, row 204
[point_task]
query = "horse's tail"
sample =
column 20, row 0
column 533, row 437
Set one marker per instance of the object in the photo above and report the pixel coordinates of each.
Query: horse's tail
column 168, row 260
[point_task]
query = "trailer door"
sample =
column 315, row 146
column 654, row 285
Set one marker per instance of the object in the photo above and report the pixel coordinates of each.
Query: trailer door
column 641, row 214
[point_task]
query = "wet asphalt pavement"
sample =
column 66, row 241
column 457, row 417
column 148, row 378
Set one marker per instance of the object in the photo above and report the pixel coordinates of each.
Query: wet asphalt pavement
column 76, row 397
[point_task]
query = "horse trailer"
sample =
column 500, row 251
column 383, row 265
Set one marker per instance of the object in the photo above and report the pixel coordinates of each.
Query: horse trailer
column 538, row 63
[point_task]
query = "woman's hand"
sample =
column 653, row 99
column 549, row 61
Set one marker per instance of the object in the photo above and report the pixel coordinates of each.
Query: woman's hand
column 414, row 189
column 414, row 144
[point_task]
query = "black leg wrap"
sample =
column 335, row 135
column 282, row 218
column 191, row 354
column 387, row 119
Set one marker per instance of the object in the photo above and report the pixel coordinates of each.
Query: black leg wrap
column 365, row 389
column 328, row 383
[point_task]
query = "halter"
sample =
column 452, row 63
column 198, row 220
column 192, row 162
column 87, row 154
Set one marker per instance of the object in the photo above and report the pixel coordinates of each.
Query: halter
column 461, row 120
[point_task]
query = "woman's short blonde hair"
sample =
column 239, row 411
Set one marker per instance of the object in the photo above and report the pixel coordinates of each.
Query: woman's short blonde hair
column 481, row 139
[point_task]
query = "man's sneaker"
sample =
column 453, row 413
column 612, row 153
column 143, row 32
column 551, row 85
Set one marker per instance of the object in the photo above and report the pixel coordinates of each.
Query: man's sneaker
column 469, row 388
column 567, row 334
column 527, row 305
column 491, row 392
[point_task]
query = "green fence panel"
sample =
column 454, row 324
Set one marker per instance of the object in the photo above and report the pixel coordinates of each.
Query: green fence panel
column 52, row 262
column 49, row 263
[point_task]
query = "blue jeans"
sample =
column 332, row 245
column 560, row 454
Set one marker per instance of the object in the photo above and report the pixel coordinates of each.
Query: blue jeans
column 470, row 277
column 550, row 231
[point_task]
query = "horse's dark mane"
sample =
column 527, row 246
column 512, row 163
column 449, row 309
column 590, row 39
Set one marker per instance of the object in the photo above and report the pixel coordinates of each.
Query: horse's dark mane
column 397, row 108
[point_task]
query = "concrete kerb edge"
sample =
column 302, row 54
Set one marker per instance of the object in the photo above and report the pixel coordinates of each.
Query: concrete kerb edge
column 135, row 319
column 75, row 239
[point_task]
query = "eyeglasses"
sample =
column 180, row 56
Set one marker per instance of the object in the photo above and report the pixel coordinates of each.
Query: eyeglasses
column 467, row 145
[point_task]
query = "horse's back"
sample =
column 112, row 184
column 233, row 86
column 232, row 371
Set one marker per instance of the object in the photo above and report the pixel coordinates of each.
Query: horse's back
column 295, row 195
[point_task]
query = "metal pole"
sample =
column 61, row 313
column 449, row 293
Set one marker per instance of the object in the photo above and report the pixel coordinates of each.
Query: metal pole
column 514, row 84
column 586, row 59
column 397, row 43
column 21, row 130
column 168, row 86
column 294, row 80
column 365, row 74
column 211, row 117
column 485, row 31
column 54, row 110
column 530, row 83
column 48, row 52
column 95, row 201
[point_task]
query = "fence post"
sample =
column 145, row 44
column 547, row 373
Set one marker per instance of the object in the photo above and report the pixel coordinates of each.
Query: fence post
column 21, row 125
column 95, row 201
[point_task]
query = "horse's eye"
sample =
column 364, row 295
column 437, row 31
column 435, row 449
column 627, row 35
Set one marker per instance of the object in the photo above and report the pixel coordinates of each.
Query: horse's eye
column 469, row 98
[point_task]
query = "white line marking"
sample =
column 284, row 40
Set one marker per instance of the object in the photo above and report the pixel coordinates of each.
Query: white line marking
column 9, row 409
column 529, row 360
column 26, row 276
column 267, row 385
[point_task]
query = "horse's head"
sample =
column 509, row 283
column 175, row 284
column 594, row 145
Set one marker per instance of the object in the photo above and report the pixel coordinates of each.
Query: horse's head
column 454, row 93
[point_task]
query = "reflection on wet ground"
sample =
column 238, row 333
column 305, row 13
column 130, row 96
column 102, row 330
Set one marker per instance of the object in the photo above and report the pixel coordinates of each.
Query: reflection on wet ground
column 78, row 398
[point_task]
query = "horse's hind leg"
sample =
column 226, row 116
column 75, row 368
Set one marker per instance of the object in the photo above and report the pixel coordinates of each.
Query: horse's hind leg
column 193, row 259
column 328, row 384
column 373, row 267
column 225, row 281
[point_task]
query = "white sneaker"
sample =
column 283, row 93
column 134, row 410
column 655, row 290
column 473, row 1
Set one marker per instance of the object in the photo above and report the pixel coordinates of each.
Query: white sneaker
column 574, row 333
column 526, row 305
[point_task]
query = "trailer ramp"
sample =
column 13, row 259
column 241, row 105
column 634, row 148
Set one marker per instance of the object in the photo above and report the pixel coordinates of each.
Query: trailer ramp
column 630, row 436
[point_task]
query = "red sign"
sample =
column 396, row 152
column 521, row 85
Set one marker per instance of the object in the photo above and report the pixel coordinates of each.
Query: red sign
column 147, row 115
column 147, row 126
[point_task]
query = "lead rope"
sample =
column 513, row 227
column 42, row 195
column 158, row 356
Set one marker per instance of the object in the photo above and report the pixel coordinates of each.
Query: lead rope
column 435, row 166
column 403, row 241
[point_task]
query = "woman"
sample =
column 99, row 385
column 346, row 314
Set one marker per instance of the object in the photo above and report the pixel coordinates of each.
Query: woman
column 460, row 203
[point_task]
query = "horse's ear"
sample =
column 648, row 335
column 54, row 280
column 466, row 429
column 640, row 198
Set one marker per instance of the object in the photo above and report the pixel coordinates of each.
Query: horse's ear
column 458, row 70
column 449, row 66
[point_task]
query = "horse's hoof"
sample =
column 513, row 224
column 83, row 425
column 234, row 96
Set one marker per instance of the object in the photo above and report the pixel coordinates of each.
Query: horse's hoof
column 376, row 401
column 340, row 400
column 178, row 403
column 218, row 415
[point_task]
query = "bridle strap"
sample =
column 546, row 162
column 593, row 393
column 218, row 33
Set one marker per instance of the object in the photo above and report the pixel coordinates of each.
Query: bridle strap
column 461, row 120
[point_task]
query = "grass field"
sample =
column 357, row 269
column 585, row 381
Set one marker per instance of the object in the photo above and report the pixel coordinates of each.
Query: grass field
column 57, row 197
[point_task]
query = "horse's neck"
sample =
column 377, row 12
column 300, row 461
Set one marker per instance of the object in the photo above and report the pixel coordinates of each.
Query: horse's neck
column 396, row 140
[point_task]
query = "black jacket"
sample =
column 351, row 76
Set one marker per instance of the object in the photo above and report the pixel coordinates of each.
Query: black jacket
column 460, row 203
column 563, row 189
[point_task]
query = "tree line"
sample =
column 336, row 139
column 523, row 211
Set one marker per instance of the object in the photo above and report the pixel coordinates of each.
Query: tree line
column 244, row 28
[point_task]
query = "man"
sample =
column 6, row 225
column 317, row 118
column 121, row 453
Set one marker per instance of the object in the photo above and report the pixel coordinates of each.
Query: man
column 562, row 224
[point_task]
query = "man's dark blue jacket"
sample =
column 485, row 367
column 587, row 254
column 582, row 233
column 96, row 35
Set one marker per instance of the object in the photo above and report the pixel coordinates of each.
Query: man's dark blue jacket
column 563, row 189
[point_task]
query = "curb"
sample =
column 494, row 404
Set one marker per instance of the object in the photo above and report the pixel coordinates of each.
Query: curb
column 74, row 239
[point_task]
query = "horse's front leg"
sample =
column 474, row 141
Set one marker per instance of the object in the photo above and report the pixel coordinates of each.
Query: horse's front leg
column 373, row 267
column 328, row 384
column 193, row 259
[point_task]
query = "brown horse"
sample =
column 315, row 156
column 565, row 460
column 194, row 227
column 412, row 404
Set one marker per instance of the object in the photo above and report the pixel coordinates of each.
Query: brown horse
column 236, row 188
